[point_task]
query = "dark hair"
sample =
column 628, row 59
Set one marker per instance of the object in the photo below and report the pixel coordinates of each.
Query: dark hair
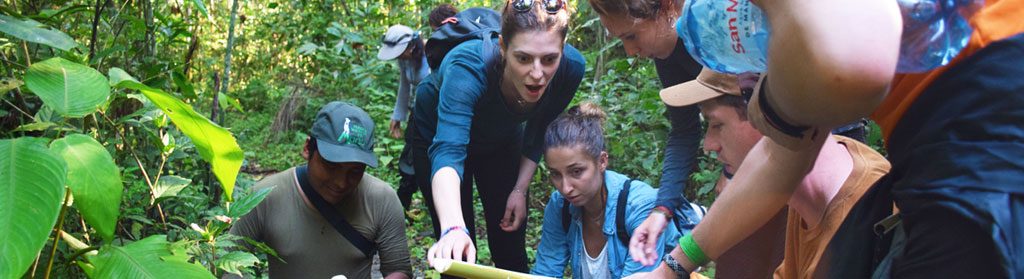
column 536, row 19
column 579, row 126
column 440, row 13
column 418, row 50
column 736, row 102
column 642, row 9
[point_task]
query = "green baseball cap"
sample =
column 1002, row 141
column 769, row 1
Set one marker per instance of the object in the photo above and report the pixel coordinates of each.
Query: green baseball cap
column 344, row 133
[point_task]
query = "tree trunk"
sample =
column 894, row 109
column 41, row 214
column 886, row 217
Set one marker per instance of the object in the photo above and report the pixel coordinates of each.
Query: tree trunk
column 227, row 52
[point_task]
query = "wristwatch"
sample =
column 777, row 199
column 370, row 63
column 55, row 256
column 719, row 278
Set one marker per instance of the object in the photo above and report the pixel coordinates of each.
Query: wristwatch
column 675, row 266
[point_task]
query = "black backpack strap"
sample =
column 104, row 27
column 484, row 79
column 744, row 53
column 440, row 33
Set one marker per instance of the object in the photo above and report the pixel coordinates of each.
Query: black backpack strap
column 566, row 218
column 491, row 55
column 620, row 213
column 332, row 216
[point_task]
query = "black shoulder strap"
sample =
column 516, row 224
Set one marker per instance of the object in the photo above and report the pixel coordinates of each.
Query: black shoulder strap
column 620, row 213
column 332, row 216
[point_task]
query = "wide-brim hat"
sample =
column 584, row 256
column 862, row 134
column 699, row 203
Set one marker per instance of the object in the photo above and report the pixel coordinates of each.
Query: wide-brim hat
column 395, row 41
column 709, row 84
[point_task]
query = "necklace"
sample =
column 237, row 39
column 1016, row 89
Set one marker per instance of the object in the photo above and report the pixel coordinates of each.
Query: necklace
column 520, row 101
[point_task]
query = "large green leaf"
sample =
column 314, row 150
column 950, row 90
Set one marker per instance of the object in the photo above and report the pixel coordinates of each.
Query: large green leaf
column 214, row 143
column 31, row 188
column 71, row 89
column 152, row 257
column 169, row 186
column 247, row 202
column 233, row 261
column 30, row 30
column 94, row 180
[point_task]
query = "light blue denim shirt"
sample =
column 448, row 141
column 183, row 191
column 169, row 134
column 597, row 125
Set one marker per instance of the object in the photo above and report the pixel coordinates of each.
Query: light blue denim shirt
column 558, row 248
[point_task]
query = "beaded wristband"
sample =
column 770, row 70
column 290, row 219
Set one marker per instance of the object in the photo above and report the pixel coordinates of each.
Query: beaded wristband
column 663, row 210
column 692, row 251
column 449, row 229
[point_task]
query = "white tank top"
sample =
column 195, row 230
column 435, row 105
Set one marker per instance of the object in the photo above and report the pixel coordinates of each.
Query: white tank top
column 595, row 268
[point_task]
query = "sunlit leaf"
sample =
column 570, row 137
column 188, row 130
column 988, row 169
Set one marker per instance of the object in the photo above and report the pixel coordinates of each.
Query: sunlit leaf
column 214, row 143
column 246, row 203
column 233, row 261
column 32, row 180
column 37, row 126
column 32, row 31
column 169, row 186
column 71, row 89
column 152, row 257
column 94, row 180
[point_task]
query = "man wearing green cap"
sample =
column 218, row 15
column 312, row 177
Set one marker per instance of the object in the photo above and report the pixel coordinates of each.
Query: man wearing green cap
column 329, row 217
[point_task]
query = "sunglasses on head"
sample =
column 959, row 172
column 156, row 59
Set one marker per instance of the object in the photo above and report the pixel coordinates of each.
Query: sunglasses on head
column 383, row 38
column 550, row 6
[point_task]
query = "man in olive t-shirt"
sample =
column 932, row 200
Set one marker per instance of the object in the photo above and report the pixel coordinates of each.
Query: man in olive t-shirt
column 338, row 151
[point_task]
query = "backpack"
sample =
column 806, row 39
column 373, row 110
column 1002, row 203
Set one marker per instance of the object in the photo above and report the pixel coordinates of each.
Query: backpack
column 620, row 214
column 472, row 23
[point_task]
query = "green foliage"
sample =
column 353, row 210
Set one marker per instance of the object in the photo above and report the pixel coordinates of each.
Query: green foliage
column 94, row 181
column 152, row 257
column 169, row 186
column 232, row 262
column 29, row 30
column 71, row 89
column 244, row 204
column 34, row 181
column 215, row 143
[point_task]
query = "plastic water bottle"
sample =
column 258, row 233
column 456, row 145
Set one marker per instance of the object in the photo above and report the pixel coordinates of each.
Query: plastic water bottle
column 732, row 35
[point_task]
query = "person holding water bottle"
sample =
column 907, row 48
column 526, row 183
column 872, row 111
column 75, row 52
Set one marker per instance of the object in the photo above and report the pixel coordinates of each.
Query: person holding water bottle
column 946, row 107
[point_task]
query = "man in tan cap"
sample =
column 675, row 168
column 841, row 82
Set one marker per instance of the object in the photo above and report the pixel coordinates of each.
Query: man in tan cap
column 843, row 171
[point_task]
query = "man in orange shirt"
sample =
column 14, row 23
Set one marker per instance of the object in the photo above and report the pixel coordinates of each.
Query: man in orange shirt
column 954, row 137
column 843, row 171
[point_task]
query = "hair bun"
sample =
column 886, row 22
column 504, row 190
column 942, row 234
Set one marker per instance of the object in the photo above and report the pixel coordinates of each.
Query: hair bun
column 588, row 110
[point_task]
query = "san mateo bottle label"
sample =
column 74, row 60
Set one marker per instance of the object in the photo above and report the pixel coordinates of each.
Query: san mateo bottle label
column 728, row 36
column 731, row 36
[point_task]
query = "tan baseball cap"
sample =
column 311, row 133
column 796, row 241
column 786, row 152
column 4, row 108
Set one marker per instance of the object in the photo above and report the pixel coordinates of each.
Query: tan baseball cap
column 709, row 84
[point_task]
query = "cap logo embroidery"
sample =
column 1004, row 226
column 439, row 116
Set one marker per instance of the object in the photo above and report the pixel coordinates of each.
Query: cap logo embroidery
column 352, row 134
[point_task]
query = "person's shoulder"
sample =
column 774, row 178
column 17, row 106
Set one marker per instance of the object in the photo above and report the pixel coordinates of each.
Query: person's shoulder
column 640, row 192
column 466, row 52
column 375, row 187
column 576, row 63
column 864, row 154
column 278, row 180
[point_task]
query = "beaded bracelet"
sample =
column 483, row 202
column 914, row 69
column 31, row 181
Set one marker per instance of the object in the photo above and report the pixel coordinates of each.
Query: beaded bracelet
column 449, row 229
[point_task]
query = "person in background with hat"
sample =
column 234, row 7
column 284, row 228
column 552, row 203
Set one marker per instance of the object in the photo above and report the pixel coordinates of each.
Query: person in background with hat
column 338, row 151
column 404, row 44
column 844, row 170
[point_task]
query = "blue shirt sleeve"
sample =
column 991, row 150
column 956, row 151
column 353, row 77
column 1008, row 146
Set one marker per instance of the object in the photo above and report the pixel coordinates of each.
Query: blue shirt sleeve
column 402, row 97
column 684, row 134
column 680, row 152
column 640, row 206
column 553, row 251
column 464, row 82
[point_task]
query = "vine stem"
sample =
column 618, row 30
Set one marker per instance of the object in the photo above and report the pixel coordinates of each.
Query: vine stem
column 56, row 237
column 152, row 190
